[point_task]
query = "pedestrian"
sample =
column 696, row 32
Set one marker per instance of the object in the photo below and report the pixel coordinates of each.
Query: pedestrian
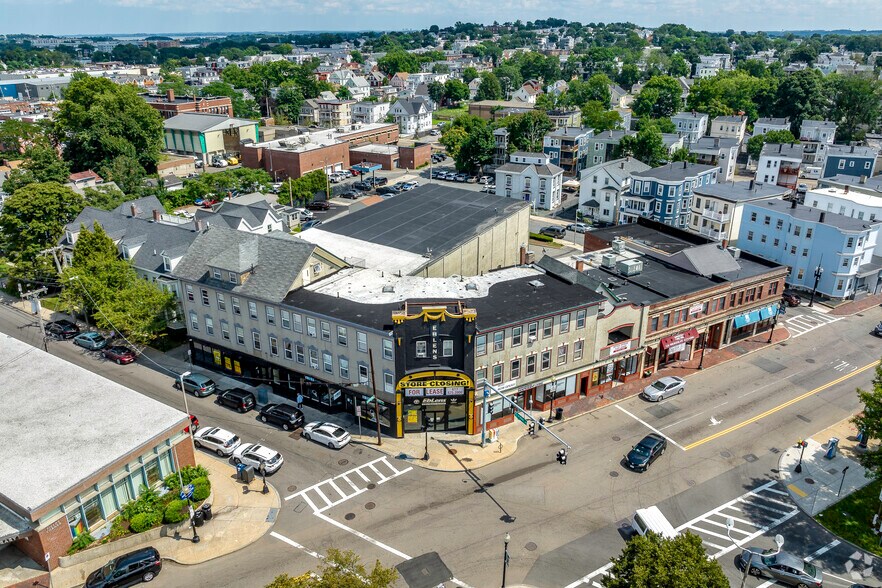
column 299, row 400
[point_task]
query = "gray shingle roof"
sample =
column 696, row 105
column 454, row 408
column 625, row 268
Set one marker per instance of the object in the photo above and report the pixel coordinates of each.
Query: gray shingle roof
column 741, row 191
column 675, row 171
column 144, row 207
column 233, row 213
column 807, row 213
column 274, row 261
column 788, row 150
column 772, row 121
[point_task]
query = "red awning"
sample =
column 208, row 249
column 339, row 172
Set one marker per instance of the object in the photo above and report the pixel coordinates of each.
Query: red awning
column 679, row 338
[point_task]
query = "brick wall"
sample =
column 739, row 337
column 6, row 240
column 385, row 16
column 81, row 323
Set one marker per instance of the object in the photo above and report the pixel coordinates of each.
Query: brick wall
column 292, row 164
column 414, row 157
column 55, row 540
column 41, row 580
column 383, row 159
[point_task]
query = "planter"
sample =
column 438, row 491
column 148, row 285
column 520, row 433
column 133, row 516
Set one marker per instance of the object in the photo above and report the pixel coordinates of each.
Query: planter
column 129, row 543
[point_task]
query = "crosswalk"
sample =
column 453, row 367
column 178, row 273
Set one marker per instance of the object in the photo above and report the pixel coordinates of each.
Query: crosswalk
column 337, row 490
column 802, row 323
column 753, row 513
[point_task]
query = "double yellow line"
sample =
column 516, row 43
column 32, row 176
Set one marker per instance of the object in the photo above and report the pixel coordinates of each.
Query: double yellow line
column 780, row 406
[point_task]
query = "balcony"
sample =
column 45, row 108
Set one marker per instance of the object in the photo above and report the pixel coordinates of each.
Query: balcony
column 715, row 215
column 634, row 208
column 713, row 233
column 789, row 170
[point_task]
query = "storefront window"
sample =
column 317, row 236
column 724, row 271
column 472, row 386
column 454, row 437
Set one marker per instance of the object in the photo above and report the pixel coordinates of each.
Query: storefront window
column 107, row 502
column 92, row 510
column 123, row 494
column 153, row 474
column 165, row 462
column 137, row 480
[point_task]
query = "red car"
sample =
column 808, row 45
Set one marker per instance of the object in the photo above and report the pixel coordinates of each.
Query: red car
column 354, row 171
column 208, row 203
column 194, row 422
column 119, row 353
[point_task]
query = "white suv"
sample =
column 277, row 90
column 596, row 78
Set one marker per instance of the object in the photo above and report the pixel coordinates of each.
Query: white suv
column 254, row 454
column 218, row 440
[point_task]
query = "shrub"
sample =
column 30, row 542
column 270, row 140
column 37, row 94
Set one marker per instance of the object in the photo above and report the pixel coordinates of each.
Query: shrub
column 119, row 528
column 144, row 521
column 175, row 512
column 188, row 474
column 541, row 237
column 201, row 489
column 148, row 502
column 81, row 542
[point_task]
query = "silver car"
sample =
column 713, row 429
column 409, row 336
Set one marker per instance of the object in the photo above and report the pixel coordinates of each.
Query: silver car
column 664, row 388
column 216, row 439
column 327, row 434
column 783, row 567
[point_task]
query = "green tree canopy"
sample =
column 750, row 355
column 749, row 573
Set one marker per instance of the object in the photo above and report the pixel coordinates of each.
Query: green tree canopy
column 398, row 60
column 17, row 137
column 659, row 98
column 125, row 171
column 490, row 88
column 455, row 91
column 468, row 74
column 870, row 422
column 800, row 96
column 595, row 89
column 855, row 105
column 341, row 569
column 755, row 143
column 289, row 100
column 241, row 107
column 176, row 83
column 526, row 130
column 596, row 116
column 216, row 185
column 99, row 120
column 456, row 132
column 42, row 164
column 649, row 561
column 304, row 188
column 647, row 146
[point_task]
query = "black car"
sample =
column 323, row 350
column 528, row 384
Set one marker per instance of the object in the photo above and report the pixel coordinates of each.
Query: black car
column 387, row 190
column 286, row 416
column 647, row 451
column 351, row 194
column 241, row 400
column 62, row 329
column 132, row 568
column 379, row 181
column 877, row 330
column 556, row 232
column 363, row 185
column 318, row 205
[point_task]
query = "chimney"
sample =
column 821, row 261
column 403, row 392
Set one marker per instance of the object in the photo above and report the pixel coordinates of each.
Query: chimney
column 134, row 210
column 684, row 165
column 523, row 255
column 198, row 223
column 580, row 265
column 156, row 216
column 862, row 180
column 751, row 186
column 170, row 95
column 793, row 203
column 622, row 165
column 852, row 148
column 846, row 189
column 822, row 217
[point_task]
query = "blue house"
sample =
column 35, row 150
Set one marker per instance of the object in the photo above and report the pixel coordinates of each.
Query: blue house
column 849, row 160
column 839, row 248
column 664, row 193
column 567, row 148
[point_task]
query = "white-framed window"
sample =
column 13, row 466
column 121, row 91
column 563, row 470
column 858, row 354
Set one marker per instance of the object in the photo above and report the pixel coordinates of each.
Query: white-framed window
column 547, row 328
column 361, row 341
column 194, row 321
column 286, row 319
column 516, row 337
column 233, row 278
column 363, row 375
column 221, row 302
column 313, row 358
column 580, row 318
column 289, row 349
column 216, row 273
column 274, row 345
column 328, row 362
column 270, row 315
column 388, row 350
column 422, row 349
column 189, row 290
column 497, row 374
column 389, row 382
column 225, row 330
column 252, row 310
column 531, row 364
column 255, row 339
column 447, row 348
column 546, row 360
column 562, row 351
column 515, row 369
column 236, row 308
column 564, row 323
column 297, row 321
column 344, row 368
column 532, row 331
column 310, row 327
column 240, row 335
column 204, row 293
column 499, row 340
column 209, row 325
column 326, row 330
column 481, row 345
column 300, row 352
column 342, row 336
column 578, row 349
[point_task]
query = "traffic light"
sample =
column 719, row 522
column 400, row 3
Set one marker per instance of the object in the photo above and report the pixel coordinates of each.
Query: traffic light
column 531, row 428
column 562, row 457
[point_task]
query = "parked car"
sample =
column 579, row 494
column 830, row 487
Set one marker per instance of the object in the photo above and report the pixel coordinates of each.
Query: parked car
column 233, row 160
column 461, row 177
column 877, row 330
column 197, row 384
column 219, row 440
column 319, row 205
column 664, row 388
column 647, row 451
column 310, row 224
column 791, row 298
column 387, row 190
column 364, row 186
column 194, row 422
column 351, row 194
column 485, row 180
column 219, row 163
column 255, row 454
column 126, row 570
column 380, row 182
column 802, row 188
column 399, row 186
column 354, row 171
column 556, row 232
column 579, row 227
column 199, row 164
column 327, row 434
column 62, row 329
column 241, row 400
column 286, row 416
column 304, row 214
column 91, row 340
column 782, row 567
column 119, row 353
column 434, row 132
column 208, row 202
column 408, row 186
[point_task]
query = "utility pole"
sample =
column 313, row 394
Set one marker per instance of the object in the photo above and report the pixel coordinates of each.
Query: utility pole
column 376, row 400
column 55, row 258
column 34, row 297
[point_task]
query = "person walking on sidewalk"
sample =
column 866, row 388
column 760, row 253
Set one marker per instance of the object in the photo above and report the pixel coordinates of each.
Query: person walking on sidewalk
column 299, row 400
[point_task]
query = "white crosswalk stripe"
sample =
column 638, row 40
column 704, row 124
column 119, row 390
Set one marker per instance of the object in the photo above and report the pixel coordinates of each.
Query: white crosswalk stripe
column 804, row 322
column 337, row 490
column 763, row 518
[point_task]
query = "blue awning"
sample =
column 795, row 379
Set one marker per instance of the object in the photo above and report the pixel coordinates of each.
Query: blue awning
column 747, row 318
column 768, row 312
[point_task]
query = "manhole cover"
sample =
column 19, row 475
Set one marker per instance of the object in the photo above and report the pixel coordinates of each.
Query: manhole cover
column 371, row 486
column 750, row 458
column 451, row 450
column 467, row 459
column 616, row 438
column 370, row 506
column 690, row 483
column 614, row 474
column 531, row 546
column 349, row 516
column 809, row 481
column 343, row 462
column 725, row 454
column 292, row 488
column 809, row 360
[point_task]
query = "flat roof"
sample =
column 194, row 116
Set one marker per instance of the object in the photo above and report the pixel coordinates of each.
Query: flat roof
column 807, row 213
column 853, row 196
column 63, row 424
column 741, row 191
column 372, row 148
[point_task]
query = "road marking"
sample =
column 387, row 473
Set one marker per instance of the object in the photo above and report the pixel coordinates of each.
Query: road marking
column 797, row 490
column 823, row 550
column 777, row 408
column 293, row 543
column 650, row 427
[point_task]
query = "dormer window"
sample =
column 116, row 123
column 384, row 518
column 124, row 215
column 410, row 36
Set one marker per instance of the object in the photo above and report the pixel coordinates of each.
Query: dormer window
column 216, row 273
column 234, row 279
column 166, row 263
column 69, row 236
column 125, row 252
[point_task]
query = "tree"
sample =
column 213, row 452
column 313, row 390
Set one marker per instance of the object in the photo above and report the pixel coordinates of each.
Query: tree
column 398, row 60
column 176, row 83
column 343, row 93
column 628, row 76
column 455, row 91
column 678, row 66
column 855, row 105
column 457, row 131
column 647, row 146
column 356, row 55
column 755, row 143
column 17, row 137
column 289, row 100
column 436, row 92
column 650, row 561
column 468, row 74
column 660, row 98
column 596, row 116
column 490, row 88
column 341, row 569
column 125, row 171
column 664, row 125
column 104, row 197
column 870, row 422
column 284, row 48
column 800, row 96
column 241, row 107
column 683, row 154
column 476, row 150
column 595, row 89
column 32, row 220
column 527, row 130
column 304, row 188
column 41, row 164
column 99, row 120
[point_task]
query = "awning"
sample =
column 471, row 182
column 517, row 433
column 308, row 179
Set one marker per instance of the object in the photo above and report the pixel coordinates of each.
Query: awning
column 592, row 204
column 679, row 338
column 768, row 312
column 747, row 318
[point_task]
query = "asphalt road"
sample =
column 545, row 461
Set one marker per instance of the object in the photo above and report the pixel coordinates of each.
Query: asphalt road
column 725, row 433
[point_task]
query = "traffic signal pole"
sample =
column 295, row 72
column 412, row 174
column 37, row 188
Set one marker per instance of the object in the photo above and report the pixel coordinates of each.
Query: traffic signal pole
column 488, row 390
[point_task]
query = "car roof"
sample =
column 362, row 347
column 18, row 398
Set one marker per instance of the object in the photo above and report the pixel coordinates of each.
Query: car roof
column 238, row 392
column 217, row 432
column 670, row 379
column 790, row 560
column 261, row 450
column 652, row 439
column 286, row 408
column 199, row 378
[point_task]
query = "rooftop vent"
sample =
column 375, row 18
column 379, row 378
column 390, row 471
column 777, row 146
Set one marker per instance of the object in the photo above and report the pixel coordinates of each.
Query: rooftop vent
column 536, row 284
column 630, row 267
column 618, row 245
column 388, row 289
column 471, row 286
column 608, row 260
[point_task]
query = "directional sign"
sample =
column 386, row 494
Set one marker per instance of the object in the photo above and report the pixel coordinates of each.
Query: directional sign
column 187, row 492
column 521, row 417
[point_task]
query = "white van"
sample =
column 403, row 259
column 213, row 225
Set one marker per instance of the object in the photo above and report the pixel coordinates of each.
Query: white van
column 652, row 519
column 811, row 173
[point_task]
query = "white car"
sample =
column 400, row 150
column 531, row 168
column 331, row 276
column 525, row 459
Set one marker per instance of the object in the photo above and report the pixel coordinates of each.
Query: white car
column 434, row 132
column 254, row 454
column 218, row 440
column 327, row 434
column 304, row 214
column 408, row 186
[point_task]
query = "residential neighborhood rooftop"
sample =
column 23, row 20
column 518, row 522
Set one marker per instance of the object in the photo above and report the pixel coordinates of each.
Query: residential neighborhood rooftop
column 741, row 191
column 807, row 213
column 675, row 171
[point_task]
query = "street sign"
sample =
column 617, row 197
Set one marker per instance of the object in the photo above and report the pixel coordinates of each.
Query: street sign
column 521, row 417
column 187, row 492
column 358, row 411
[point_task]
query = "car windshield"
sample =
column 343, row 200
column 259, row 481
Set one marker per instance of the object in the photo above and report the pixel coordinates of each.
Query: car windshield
column 809, row 569
column 274, row 458
column 338, row 432
column 659, row 385
column 641, row 449
column 107, row 569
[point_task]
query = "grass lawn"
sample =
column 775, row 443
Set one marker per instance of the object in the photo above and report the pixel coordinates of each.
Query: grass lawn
column 50, row 302
column 449, row 113
column 851, row 518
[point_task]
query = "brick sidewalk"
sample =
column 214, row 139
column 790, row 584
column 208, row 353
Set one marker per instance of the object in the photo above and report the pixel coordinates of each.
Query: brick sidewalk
column 856, row 306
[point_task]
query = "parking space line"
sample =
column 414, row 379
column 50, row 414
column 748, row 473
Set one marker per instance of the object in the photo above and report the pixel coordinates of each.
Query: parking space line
column 734, row 529
column 706, row 532
column 714, row 545
column 650, row 427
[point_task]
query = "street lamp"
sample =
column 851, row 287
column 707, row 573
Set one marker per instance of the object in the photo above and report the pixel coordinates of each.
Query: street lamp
column 802, row 444
column 779, row 541
column 818, row 272
column 775, row 321
column 553, row 396
column 703, row 347
column 505, row 558
column 426, row 429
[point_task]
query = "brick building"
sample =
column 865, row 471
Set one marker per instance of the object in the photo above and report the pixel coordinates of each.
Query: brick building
column 169, row 105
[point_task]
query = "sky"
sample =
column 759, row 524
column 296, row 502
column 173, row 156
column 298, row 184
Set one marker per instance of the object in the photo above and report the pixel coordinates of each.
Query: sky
column 183, row 16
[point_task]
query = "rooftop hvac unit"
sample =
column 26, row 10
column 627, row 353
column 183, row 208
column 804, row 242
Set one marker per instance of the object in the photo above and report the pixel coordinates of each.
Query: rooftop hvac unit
column 471, row 286
column 388, row 289
column 536, row 284
column 608, row 260
column 630, row 267
column 735, row 251
column 618, row 245
column 529, row 257
column 341, row 129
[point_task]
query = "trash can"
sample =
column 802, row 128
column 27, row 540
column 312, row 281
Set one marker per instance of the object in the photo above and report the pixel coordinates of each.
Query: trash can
column 206, row 511
column 240, row 468
column 832, row 446
column 558, row 414
column 198, row 518
column 248, row 474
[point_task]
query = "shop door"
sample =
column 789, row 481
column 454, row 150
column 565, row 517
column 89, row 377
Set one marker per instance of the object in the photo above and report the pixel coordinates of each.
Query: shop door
column 436, row 419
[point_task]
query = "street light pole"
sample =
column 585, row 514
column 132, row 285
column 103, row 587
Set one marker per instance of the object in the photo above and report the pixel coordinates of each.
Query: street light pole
column 505, row 558
column 775, row 321
column 553, row 395
column 842, row 482
column 703, row 347
column 426, row 429
column 802, row 444
column 818, row 272
column 779, row 541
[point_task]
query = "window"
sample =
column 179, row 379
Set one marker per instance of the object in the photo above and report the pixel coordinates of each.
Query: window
column 233, row 279
column 498, row 340
column 190, row 293
column 805, row 252
column 767, row 220
column 326, row 331
column 216, row 273
column 808, row 233
column 389, row 382
column 497, row 374
column 850, row 243
column 252, row 310
column 166, row 262
column 274, row 345
column 839, row 284
column 204, row 293
column 313, row 358
column 209, row 325
column 361, row 341
column 653, row 324
column 255, row 339
column 750, row 235
column 221, row 302
column 310, row 326
column 666, row 320
column 299, row 351
column 270, row 315
column 447, row 348
column 327, row 362
column 236, row 309
column 797, row 230
column 580, row 318
column 779, row 224
column 753, row 217
column 515, row 370
column 793, row 250
column 362, row 373
column 422, row 349
column 516, row 335
column 387, row 349
column 531, row 364
column 578, row 348
column 547, row 327
column 240, row 335
column 564, row 323
column 298, row 322
column 286, row 319
column 481, row 345
column 194, row 321
column 344, row 368
column 546, row 360
column 225, row 330
column 342, row 336
column 289, row 349
column 776, row 242
column 841, row 164
column 562, row 354
column 762, row 238
column 532, row 330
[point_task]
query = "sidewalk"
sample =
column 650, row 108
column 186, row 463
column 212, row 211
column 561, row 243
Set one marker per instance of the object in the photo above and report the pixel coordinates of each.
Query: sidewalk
column 818, row 485
column 241, row 516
